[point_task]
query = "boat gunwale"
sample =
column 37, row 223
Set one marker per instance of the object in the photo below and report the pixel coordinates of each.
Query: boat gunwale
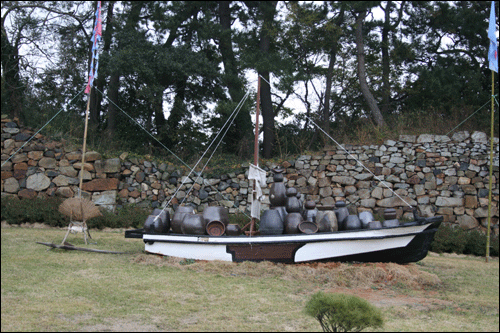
column 288, row 238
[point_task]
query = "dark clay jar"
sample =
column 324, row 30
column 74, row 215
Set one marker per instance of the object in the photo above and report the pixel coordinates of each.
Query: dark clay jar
column 277, row 193
column 341, row 212
column 292, row 222
column 216, row 213
column 352, row 222
column 165, row 218
column 292, row 202
column 193, row 224
column 271, row 223
column 176, row 222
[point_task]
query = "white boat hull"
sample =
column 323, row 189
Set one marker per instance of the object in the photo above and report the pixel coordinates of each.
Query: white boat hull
column 405, row 243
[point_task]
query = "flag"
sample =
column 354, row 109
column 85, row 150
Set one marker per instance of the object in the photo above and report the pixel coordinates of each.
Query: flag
column 493, row 51
column 96, row 38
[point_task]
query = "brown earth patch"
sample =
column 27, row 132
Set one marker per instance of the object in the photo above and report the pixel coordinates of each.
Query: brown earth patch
column 383, row 284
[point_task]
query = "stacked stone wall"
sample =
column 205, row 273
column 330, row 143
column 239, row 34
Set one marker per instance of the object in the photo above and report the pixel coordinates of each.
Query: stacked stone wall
column 440, row 175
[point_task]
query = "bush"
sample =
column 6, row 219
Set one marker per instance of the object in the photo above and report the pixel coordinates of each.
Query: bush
column 449, row 239
column 453, row 239
column 125, row 217
column 43, row 210
column 343, row 313
column 46, row 210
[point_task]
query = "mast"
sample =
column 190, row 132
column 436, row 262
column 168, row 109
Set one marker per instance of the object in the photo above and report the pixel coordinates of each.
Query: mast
column 256, row 149
column 493, row 65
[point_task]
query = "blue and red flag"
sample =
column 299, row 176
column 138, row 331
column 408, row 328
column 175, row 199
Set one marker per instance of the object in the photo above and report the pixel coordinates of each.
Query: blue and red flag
column 96, row 38
column 493, row 51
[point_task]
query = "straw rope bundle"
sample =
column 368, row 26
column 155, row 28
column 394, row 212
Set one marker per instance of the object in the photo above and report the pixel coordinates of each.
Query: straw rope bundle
column 79, row 209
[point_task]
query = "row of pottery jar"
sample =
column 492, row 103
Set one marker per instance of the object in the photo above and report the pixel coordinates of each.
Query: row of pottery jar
column 363, row 220
column 213, row 221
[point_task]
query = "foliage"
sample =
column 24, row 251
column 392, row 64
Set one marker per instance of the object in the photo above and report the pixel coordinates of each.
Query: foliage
column 128, row 216
column 41, row 210
column 239, row 219
column 452, row 239
column 46, row 210
column 178, row 71
column 343, row 313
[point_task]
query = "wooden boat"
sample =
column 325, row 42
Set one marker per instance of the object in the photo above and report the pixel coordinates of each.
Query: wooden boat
column 396, row 242
column 408, row 242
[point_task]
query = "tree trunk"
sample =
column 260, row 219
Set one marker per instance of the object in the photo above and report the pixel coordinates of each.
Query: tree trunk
column 267, row 115
column 386, row 92
column 329, row 79
column 268, row 9
column 114, row 85
column 242, row 130
column 372, row 103
column 11, row 79
column 114, row 81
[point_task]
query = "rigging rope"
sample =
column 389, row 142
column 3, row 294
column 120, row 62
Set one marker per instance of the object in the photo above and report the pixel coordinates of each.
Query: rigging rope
column 238, row 107
column 151, row 135
column 236, row 110
column 62, row 109
column 361, row 164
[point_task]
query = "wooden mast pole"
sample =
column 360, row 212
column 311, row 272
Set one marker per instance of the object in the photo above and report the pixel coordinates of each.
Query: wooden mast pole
column 84, row 144
column 491, row 164
column 256, row 149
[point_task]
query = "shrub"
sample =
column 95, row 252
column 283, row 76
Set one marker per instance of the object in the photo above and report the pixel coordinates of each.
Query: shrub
column 449, row 239
column 343, row 313
column 46, row 210
column 453, row 239
column 43, row 210
column 125, row 217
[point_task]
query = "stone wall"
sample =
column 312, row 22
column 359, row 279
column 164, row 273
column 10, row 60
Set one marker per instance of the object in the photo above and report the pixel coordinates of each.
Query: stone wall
column 440, row 175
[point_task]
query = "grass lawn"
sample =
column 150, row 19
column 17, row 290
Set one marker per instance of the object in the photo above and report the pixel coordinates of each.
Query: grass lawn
column 56, row 290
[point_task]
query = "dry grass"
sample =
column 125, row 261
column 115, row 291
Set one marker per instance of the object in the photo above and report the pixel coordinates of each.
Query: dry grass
column 60, row 290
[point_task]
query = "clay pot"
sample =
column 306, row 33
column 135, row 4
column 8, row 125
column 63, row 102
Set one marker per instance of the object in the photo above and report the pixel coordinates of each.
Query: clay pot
column 193, row 224
column 341, row 212
column 154, row 225
column 374, row 225
column 390, row 223
column 352, row 222
column 277, row 193
column 326, row 219
column 271, row 223
column 365, row 218
column 215, row 228
column 292, row 222
column 307, row 227
column 282, row 211
column 310, row 211
column 165, row 218
column 176, row 221
column 292, row 202
column 233, row 230
column 216, row 213
column 390, row 214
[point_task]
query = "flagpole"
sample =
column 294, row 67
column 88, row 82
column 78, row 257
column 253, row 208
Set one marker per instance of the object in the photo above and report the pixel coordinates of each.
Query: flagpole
column 493, row 65
column 491, row 164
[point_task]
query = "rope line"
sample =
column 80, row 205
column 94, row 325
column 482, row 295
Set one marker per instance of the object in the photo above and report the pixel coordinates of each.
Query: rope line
column 235, row 112
column 41, row 128
column 416, row 157
column 151, row 135
column 361, row 164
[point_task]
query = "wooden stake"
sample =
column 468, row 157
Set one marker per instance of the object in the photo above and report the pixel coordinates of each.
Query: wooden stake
column 84, row 144
column 256, row 149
